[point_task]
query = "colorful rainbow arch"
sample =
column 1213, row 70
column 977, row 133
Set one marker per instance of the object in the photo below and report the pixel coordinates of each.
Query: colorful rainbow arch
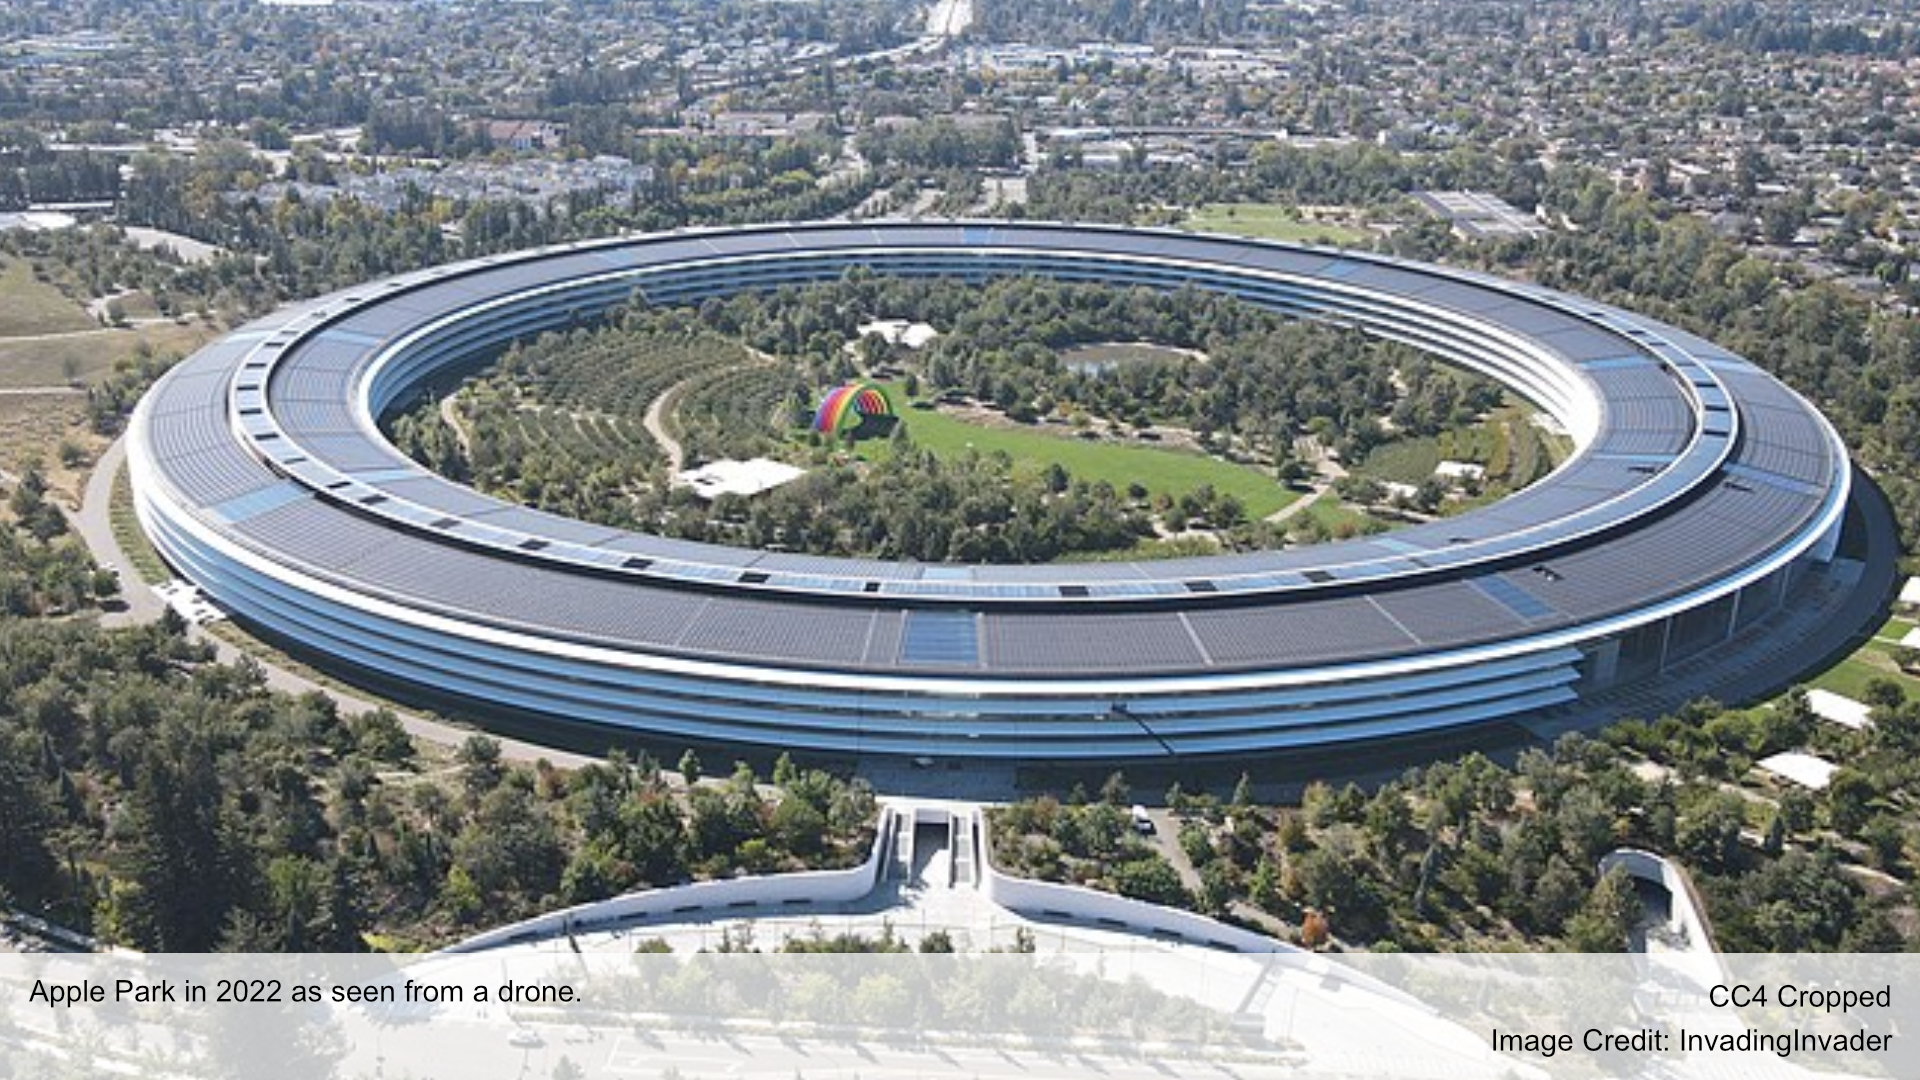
column 855, row 400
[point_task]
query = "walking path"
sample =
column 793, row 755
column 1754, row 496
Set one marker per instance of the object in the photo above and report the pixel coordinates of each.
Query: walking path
column 1298, row 505
column 1166, row 840
column 61, row 335
column 655, row 421
column 450, row 416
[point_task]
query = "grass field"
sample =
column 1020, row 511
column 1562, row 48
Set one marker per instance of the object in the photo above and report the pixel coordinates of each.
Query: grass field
column 1168, row 471
column 1402, row 461
column 1269, row 221
column 87, row 357
column 1874, row 660
column 31, row 306
column 1340, row 520
column 1514, row 452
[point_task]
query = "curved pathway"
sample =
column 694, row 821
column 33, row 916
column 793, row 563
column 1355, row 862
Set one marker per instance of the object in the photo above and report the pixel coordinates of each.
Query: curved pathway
column 655, row 421
column 94, row 522
column 450, row 416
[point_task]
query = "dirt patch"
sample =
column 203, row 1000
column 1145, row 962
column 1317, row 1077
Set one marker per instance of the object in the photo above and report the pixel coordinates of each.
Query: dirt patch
column 32, row 426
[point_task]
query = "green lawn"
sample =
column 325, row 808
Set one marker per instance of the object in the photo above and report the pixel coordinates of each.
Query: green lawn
column 132, row 538
column 1895, row 628
column 1874, row 660
column 1340, row 520
column 31, row 306
column 1402, row 461
column 1169, row 471
column 1269, row 221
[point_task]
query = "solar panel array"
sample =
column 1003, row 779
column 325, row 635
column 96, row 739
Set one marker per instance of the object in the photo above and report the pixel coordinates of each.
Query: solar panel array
column 1697, row 466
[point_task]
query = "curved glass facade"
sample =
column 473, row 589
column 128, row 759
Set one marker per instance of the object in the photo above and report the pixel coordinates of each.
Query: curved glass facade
column 1698, row 485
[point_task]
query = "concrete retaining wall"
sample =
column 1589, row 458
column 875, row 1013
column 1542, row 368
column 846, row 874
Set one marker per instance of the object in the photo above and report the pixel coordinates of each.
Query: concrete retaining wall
column 1687, row 911
column 1045, row 900
column 747, row 897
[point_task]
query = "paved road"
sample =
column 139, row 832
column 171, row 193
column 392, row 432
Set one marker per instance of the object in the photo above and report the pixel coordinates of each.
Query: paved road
column 1166, row 840
column 94, row 524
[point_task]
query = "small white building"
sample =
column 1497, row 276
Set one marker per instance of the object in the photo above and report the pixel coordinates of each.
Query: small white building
column 913, row 335
column 745, row 478
column 1838, row 709
column 36, row 220
column 1811, row 772
column 1910, row 592
column 1460, row 470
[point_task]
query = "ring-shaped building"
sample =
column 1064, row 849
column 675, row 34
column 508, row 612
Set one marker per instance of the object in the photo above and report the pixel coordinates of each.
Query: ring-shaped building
column 1699, row 491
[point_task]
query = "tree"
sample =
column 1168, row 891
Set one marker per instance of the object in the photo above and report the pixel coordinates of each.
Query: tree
column 1242, row 793
column 1388, row 816
column 798, row 825
column 1151, row 880
column 187, row 863
column 1314, row 930
column 1776, row 838
column 1796, row 811
column 480, row 768
column 1218, row 885
column 1608, row 916
column 1334, row 883
column 342, row 919
column 511, row 846
column 1886, row 842
column 1883, row 693
column 294, row 901
column 689, row 767
column 1850, row 797
column 460, row 896
column 1709, row 837
column 652, row 838
column 26, row 816
column 1556, row 896
column 1586, row 826
column 379, row 735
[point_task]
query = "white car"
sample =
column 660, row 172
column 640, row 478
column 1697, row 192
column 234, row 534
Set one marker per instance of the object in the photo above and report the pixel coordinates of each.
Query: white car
column 525, row 1037
column 1142, row 822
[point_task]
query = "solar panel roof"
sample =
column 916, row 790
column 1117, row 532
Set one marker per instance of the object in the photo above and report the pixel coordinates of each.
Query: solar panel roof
column 1670, row 493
